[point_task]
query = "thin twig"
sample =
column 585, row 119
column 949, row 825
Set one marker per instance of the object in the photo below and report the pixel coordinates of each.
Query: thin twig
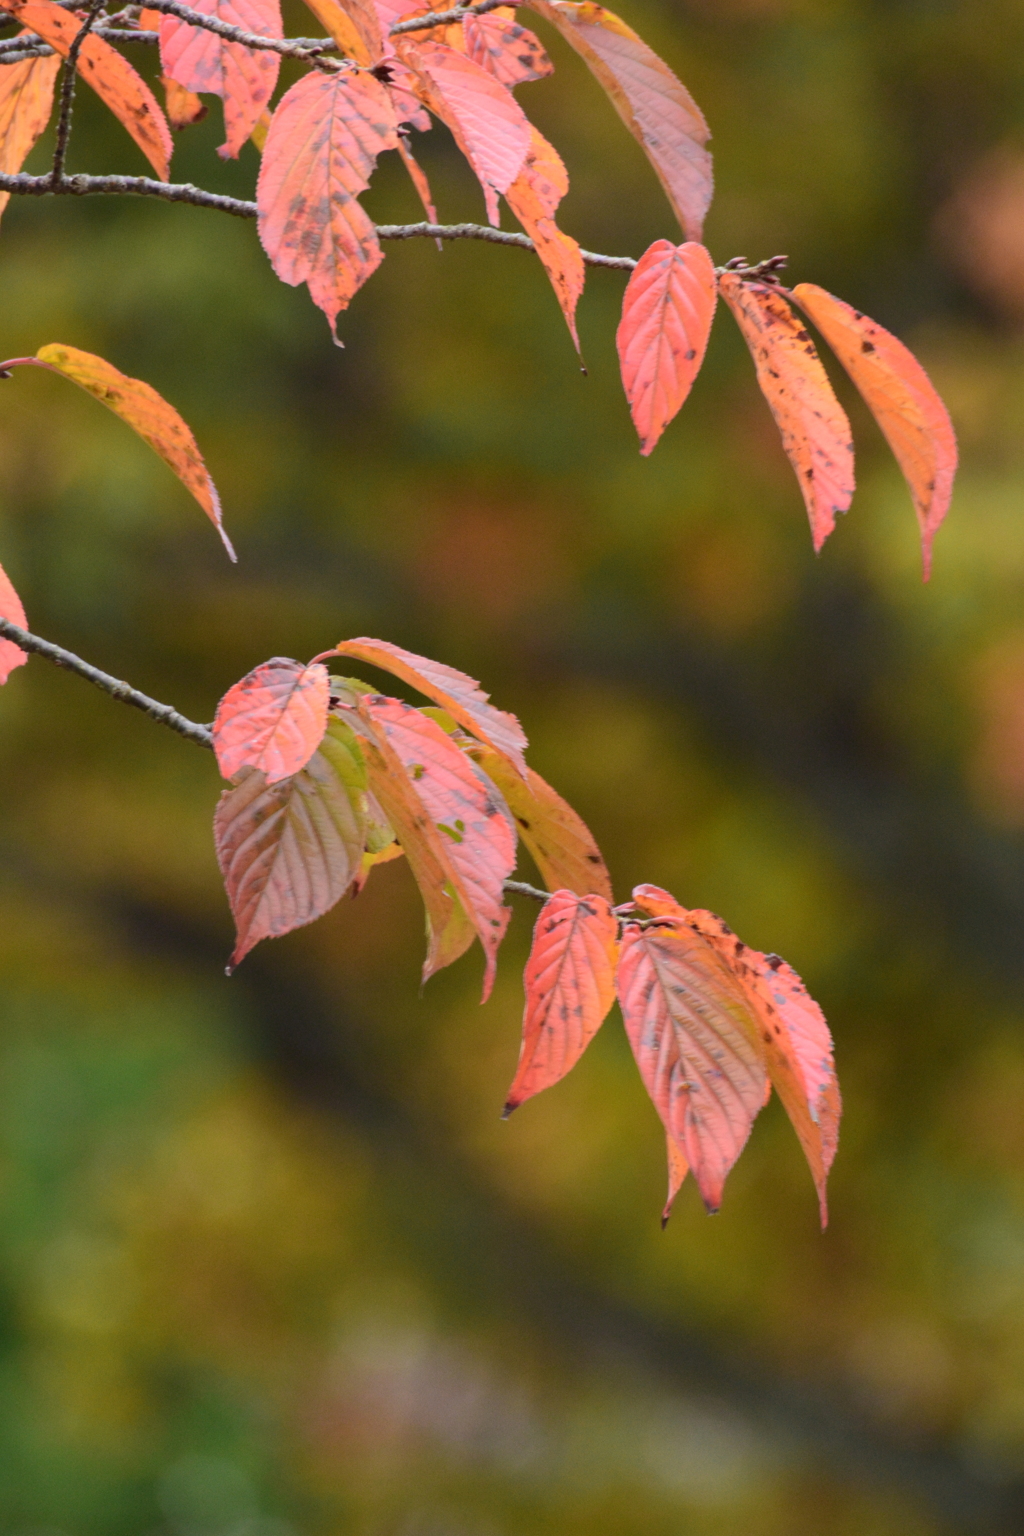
column 520, row 888
column 125, row 186
column 444, row 18
column 162, row 713
column 67, row 94
column 295, row 48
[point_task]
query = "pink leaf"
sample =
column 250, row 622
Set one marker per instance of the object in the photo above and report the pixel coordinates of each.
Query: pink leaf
column 11, row 655
column 244, row 77
column 663, row 334
column 273, row 720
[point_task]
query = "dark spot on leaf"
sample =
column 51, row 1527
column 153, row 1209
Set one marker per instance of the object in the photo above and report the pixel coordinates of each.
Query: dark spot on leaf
column 867, row 346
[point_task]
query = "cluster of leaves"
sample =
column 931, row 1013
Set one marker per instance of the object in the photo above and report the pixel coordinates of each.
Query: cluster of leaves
column 330, row 778
column 400, row 65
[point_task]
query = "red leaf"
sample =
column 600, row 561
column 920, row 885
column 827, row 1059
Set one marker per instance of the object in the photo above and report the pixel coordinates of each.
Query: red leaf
column 695, row 1042
column 902, row 398
column 323, row 144
column 678, row 1168
column 533, row 198
column 110, row 75
column 663, row 334
column 656, row 107
column 570, row 986
column 796, row 1042
column 478, row 847
column 454, row 691
column 273, row 720
column 511, row 53
column 485, row 119
column 289, row 851
column 560, row 843
column 243, row 77
column 11, row 655
column 26, row 102
column 814, row 428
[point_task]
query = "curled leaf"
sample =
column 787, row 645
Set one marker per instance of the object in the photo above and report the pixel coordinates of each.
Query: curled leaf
column 667, row 311
column 273, row 719
column 533, row 198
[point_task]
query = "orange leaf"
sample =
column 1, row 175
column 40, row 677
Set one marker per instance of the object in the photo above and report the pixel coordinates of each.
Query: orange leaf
column 533, row 198
column 355, row 28
column 454, row 691
column 289, row 851
column 273, row 720
column 678, row 1168
column 559, row 841
column 324, row 139
column 508, row 51
column 243, row 77
column 110, row 75
column 902, row 399
column 183, row 107
column 795, row 1038
column 570, row 986
column 11, row 655
column 26, row 102
column 485, row 119
column 695, row 1042
column 667, row 312
column 146, row 412
column 477, row 845
column 657, row 108
column 419, row 180
column 814, row 428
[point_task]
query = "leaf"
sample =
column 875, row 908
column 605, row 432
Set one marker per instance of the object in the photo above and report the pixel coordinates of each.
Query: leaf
column 533, row 198
column 487, row 122
column 695, row 1043
column 355, row 28
column 454, row 691
column 273, row 720
column 289, row 851
column 657, row 108
column 667, row 312
column 419, row 180
column 678, row 1168
column 146, row 412
column 902, row 399
column 26, row 102
column 795, row 1039
column 814, row 428
column 476, row 847
column 321, row 150
column 510, row 52
column 243, row 77
column 570, row 986
column 183, row 107
column 110, row 75
column 11, row 655
column 559, row 841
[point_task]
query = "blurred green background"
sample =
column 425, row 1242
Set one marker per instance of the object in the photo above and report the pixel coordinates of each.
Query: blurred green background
column 270, row 1264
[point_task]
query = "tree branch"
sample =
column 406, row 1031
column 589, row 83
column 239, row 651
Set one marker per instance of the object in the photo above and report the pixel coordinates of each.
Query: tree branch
column 67, row 94
column 290, row 47
column 444, row 18
column 162, row 713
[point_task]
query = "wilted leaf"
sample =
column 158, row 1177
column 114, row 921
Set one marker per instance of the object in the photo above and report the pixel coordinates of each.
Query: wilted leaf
column 902, row 398
column 814, row 428
column 694, row 1038
column 570, row 986
column 533, row 198
column 667, row 312
column 477, row 847
column 324, row 139
column 273, row 720
column 485, row 119
column 146, row 412
column 656, row 107
column 454, row 691
column 510, row 52
column 796, row 1043
column 11, row 655
column 419, row 180
column 559, row 841
column 110, row 75
column 289, row 851
column 183, row 107
column 243, row 77
column 26, row 102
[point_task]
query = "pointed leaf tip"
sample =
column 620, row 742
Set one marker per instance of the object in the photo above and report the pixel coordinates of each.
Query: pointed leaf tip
column 667, row 311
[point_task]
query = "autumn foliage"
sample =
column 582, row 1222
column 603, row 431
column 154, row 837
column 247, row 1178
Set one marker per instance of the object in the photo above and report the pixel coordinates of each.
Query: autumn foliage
column 327, row 777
